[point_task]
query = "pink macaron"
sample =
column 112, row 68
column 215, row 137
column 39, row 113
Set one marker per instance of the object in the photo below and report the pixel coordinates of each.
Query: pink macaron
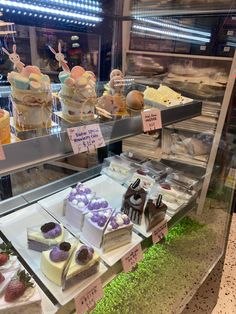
column 29, row 69
column 77, row 72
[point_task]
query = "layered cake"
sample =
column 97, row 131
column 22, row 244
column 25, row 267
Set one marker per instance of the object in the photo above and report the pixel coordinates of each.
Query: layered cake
column 165, row 96
column 95, row 223
column 44, row 237
column 134, row 201
column 118, row 232
column 118, row 168
column 31, row 98
column 78, row 94
column 69, row 263
column 5, row 135
column 18, row 293
column 154, row 212
column 144, row 174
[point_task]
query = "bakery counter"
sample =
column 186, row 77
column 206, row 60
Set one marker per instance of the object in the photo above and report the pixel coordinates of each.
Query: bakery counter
column 37, row 147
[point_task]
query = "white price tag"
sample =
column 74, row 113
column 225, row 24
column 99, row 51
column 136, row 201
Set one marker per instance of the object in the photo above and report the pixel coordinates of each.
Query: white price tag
column 159, row 232
column 130, row 260
column 226, row 49
column 203, row 48
column 230, row 33
column 151, row 120
column 87, row 300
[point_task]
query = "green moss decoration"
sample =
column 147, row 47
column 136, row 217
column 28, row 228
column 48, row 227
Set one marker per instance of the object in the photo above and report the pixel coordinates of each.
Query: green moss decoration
column 166, row 273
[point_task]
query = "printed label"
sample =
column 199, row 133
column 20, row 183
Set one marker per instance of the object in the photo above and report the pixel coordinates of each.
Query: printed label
column 159, row 232
column 226, row 49
column 203, row 48
column 130, row 260
column 230, row 33
column 87, row 300
column 151, row 120
column 85, row 138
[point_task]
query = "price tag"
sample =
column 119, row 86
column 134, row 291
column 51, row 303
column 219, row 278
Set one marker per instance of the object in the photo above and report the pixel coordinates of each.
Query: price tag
column 203, row 48
column 2, row 155
column 85, row 138
column 230, row 33
column 159, row 232
column 130, row 260
column 226, row 49
column 151, row 120
column 87, row 300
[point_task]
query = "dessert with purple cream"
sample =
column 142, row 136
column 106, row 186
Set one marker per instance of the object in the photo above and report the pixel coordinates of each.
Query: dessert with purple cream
column 97, row 203
column 118, row 232
column 134, row 201
column 154, row 212
column 94, row 225
column 69, row 263
column 44, row 237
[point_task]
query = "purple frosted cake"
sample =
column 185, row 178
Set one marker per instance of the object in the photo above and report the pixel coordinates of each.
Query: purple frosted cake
column 134, row 201
column 94, row 226
column 118, row 232
column 44, row 237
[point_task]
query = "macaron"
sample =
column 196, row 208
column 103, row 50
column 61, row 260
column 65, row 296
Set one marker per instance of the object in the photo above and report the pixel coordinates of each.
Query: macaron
column 77, row 72
column 69, row 81
column 63, row 76
column 35, row 85
column 35, row 77
column 81, row 82
column 21, row 82
column 116, row 72
column 30, row 69
column 90, row 75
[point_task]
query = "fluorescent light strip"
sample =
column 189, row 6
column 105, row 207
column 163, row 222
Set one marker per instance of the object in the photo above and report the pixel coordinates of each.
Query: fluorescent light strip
column 167, row 33
column 25, row 6
column 49, row 17
column 91, row 6
column 172, row 26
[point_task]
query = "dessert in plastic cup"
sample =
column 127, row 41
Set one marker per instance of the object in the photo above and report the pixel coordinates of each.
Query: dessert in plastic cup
column 30, row 93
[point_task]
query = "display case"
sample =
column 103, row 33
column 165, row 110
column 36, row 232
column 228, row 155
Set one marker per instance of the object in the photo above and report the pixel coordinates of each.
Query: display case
column 114, row 162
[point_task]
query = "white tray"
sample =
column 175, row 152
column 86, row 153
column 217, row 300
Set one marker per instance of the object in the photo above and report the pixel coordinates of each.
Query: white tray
column 103, row 186
column 14, row 227
column 111, row 257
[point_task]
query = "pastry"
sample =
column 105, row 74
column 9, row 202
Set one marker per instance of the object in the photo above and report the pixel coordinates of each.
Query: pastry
column 44, row 237
column 5, row 135
column 95, row 223
column 154, row 212
column 135, row 100
column 69, row 263
column 118, row 232
column 133, row 202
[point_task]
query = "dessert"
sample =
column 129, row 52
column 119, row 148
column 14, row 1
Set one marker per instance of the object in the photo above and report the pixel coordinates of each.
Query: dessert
column 94, row 226
column 145, row 176
column 165, row 96
column 30, row 94
column 78, row 94
column 133, row 202
column 118, row 168
column 44, row 237
column 5, row 135
column 135, row 101
column 118, row 232
column 69, row 263
column 154, row 212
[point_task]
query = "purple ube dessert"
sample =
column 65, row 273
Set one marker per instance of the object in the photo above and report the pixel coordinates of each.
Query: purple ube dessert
column 77, row 205
column 94, row 225
column 118, row 232
column 84, row 255
column 60, row 253
column 51, row 230
column 97, row 203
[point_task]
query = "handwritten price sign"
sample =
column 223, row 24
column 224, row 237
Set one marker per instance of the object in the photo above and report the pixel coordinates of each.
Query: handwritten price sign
column 159, row 232
column 87, row 300
column 151, row 120
column 130, row 260
column 85, row 138
column 2, row 155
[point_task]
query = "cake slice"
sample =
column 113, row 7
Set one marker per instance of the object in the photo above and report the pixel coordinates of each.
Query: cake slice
column 134, row 201
column 69, row 263
column 94, row 226
column 118, row 232
column 154, row 212
column 44, row 237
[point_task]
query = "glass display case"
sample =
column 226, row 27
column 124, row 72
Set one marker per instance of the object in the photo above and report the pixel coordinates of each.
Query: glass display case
column 84, row 191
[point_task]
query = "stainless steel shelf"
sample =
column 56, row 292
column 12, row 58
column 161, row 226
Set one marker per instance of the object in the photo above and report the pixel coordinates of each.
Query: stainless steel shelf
column 45, row 147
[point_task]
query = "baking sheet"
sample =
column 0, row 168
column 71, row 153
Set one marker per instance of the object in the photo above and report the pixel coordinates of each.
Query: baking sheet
column 15, row 225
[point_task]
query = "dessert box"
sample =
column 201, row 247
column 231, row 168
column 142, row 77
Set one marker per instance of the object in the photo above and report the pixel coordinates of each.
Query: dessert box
column 17, row 223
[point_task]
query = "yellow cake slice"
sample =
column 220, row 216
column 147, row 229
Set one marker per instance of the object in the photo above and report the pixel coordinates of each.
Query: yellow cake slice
column 4, row 127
